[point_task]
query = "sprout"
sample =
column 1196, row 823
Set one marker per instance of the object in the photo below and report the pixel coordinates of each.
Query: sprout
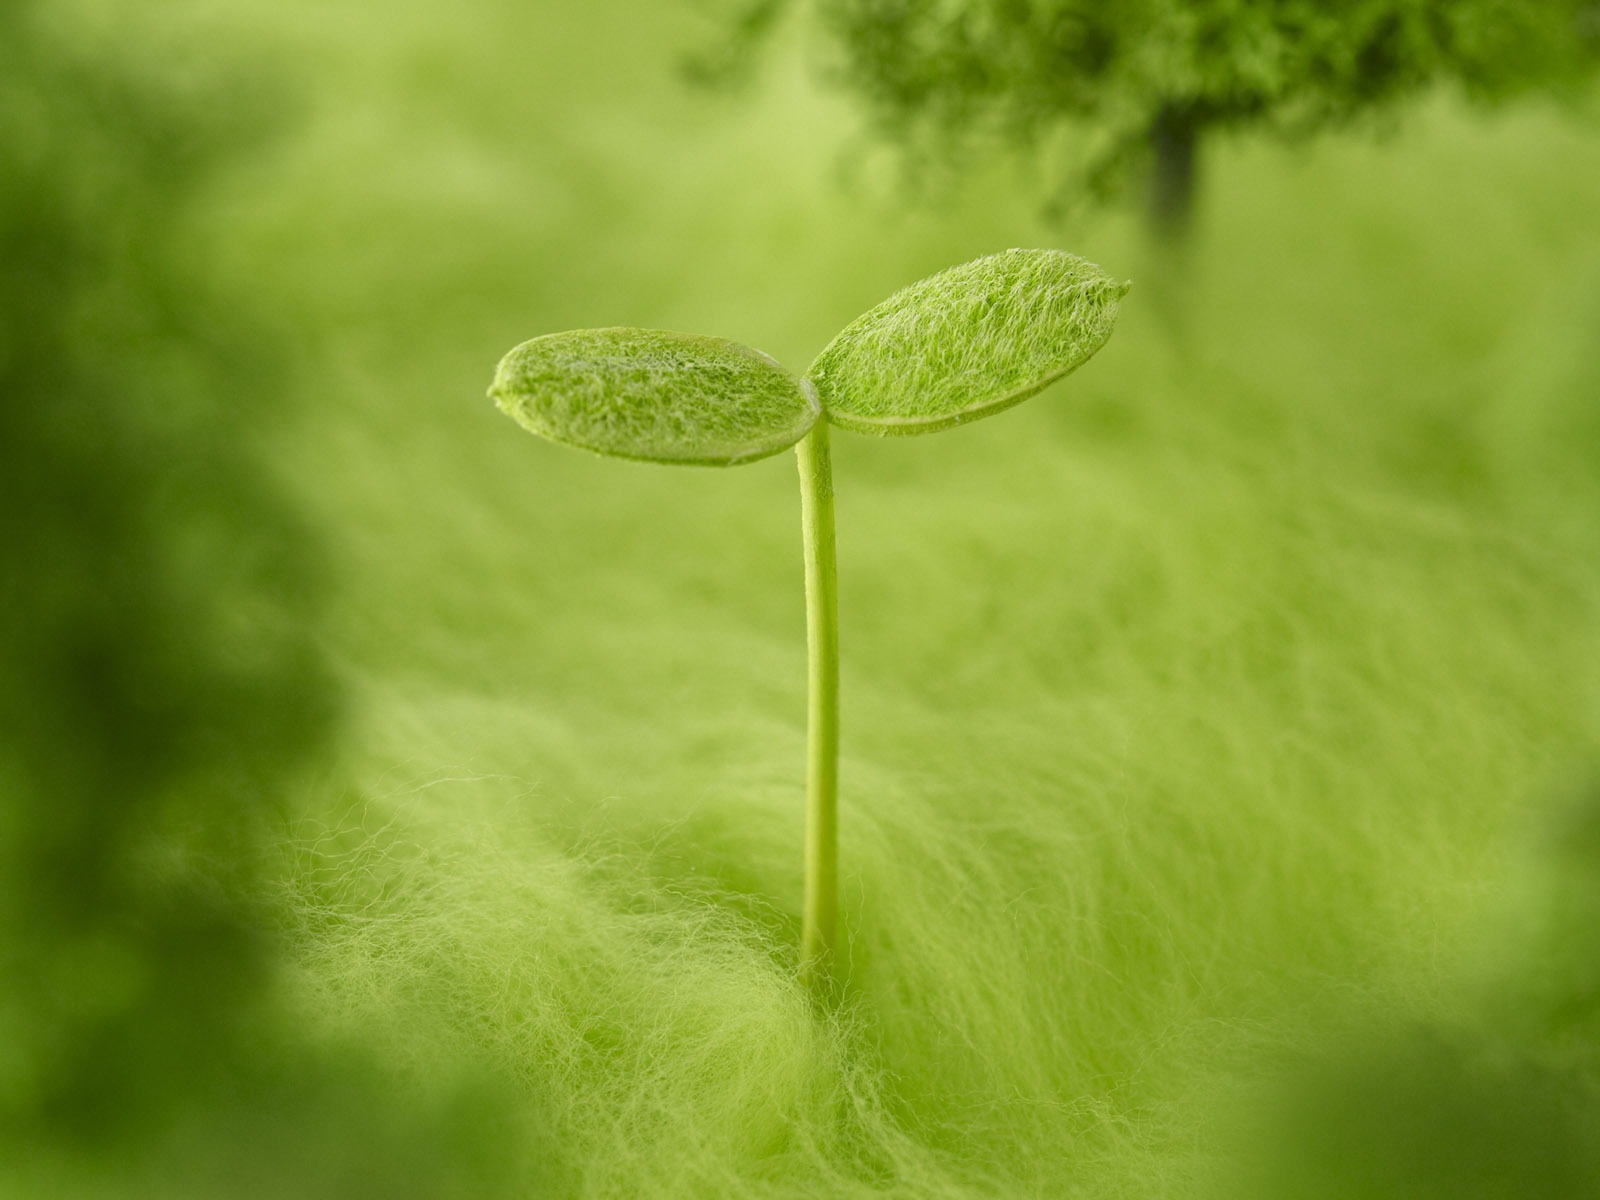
column 965, row 343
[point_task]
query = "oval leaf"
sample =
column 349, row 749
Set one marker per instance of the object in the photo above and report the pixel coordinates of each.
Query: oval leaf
column 967, row 342
column 653, row 395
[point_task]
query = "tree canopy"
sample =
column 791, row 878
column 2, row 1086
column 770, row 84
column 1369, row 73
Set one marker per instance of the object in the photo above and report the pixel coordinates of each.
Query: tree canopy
column 1139, row 84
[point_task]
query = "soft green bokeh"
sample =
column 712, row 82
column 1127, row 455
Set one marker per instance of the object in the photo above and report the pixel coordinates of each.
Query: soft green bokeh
column 1219, row 733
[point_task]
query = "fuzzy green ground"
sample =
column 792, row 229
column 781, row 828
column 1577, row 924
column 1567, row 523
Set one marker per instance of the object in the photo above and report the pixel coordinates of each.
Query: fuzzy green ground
column 1201, row 711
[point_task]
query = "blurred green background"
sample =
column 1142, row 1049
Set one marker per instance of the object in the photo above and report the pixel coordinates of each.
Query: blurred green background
column 398, row 805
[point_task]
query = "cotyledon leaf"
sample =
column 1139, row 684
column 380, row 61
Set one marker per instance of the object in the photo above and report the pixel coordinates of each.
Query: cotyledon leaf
column 654, row 395
column 965, row 343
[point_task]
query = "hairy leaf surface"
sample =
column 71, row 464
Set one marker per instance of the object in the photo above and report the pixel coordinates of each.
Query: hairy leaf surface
column 653, row 395
column 967, row 342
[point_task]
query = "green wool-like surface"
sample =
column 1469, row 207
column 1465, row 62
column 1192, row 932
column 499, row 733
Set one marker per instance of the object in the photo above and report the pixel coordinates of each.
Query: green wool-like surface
column 654, row 395
column 972, row 340
column 1188, row 722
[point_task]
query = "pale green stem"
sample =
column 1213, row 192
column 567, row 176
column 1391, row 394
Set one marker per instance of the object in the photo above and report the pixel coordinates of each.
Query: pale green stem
column 819, row 915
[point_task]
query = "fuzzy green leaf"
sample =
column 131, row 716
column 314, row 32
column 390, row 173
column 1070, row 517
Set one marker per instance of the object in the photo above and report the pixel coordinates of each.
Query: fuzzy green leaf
column 967, row 342
column 653, row 395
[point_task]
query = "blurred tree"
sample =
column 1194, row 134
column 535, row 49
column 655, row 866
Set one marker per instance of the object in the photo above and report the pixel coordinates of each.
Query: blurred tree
column 1142, row 84
column 158, row 681
column 161, row 688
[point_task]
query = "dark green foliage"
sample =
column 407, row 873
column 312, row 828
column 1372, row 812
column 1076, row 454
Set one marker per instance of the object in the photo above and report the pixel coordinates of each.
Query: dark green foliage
column 1553, row 997
column 161, row 687
column 156, row 677
column 1430, row 1116
column 1506, row 1104
column 1141, row 85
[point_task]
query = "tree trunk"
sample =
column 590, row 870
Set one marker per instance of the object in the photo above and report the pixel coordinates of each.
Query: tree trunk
column 1174, row 167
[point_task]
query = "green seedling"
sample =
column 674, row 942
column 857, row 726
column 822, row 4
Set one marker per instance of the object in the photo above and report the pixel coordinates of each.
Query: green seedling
column 965, row 343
